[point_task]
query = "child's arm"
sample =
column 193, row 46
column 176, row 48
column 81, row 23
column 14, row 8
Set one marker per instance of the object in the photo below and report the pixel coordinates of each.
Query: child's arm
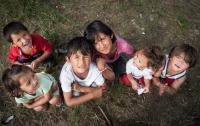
column 13, row 54
column 175, row 85
column 84, row 89
column 156, row 75
column 147, row 85
column 18, row 63
column 107, row 72
column 73, row 101
column 157, row 82
column 40, row 101
column 170, row 89
column 36, row 62
column 134, row 84
column 44, row 46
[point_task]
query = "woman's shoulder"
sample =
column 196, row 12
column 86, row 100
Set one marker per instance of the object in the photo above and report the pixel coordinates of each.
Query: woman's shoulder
column 121, row 40
column 124, row 46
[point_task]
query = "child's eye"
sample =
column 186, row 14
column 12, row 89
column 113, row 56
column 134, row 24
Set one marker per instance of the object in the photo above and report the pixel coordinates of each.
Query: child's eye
column 96, row 43
column 18, row 40
column 76, row 57
column 179, row 57
column 23, row 35
column 86, row 57
column 102, row 38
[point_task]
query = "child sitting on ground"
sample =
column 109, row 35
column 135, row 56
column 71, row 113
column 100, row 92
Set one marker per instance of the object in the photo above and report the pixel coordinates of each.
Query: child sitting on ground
column 33, row 90
column 172, row 74
column 26, row 48
column 80, row 79
column 141, row 67
column 109, row 50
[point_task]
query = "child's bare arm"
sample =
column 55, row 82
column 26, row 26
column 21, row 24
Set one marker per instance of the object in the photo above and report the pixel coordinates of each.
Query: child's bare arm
column 175, row 85
column 42, row 100
column 73, row 101
column 80, row 88
column 84, row 89
column 107, row 72
column 37, row 61
column 134, row 84
column 158, row 72
column 156, row 79
column 18, row 63
column 147, row 85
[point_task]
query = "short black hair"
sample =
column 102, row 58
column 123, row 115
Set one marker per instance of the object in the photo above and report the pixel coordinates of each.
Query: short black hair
column 191, row 54
column 10, row 83
column 79, row 44
column 13, row 28
column 94, row 28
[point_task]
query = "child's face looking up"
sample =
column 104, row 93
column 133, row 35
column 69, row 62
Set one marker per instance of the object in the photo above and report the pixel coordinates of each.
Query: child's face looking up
column 103, row 43
column 178, row 63
column 80, row 63
column 140, row 60
column 28, row 82
column 22, row 39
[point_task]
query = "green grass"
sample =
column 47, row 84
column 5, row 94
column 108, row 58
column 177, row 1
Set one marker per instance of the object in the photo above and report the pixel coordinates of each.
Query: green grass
column 61, row 20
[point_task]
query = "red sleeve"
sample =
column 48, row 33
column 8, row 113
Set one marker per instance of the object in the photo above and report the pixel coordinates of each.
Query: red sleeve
column 43, row 43
column 12, row 55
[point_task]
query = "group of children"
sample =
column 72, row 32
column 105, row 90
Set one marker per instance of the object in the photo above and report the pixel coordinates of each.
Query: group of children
column 90, row 59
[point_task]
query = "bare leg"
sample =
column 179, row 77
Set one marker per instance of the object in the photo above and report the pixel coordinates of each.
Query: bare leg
column 55, row 100
column 41, row 108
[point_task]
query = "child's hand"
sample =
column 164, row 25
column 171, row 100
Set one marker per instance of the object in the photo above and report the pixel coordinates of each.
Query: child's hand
column 104, row 88
column 100, row 63
column 80, row 88
column 134, row 86
column 54, row 87
column 76, row 86
column 146, row 89
column 27, row 105
column 34, row 64
column 97, row 92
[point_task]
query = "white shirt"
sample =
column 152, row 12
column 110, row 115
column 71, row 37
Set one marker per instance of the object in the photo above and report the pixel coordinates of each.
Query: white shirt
column 67, row 77
column 164, row 71
column 137, row 73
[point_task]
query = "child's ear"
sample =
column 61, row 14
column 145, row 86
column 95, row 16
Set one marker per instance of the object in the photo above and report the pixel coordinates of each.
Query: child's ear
column 67, row 59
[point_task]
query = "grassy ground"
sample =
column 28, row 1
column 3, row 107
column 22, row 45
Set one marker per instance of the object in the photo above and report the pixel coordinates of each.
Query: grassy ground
column 141, row 22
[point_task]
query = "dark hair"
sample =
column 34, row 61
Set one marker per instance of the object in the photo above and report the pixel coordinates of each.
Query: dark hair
column 79, row 44
column 10, row 82
column 190, row 53
column 13, row 28
column 94, row 28
column 154, row 55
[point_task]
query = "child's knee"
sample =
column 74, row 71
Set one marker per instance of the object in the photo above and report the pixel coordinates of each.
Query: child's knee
column 56, row 100
column 54, row 87
column 40, row 108
column 124, row 80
